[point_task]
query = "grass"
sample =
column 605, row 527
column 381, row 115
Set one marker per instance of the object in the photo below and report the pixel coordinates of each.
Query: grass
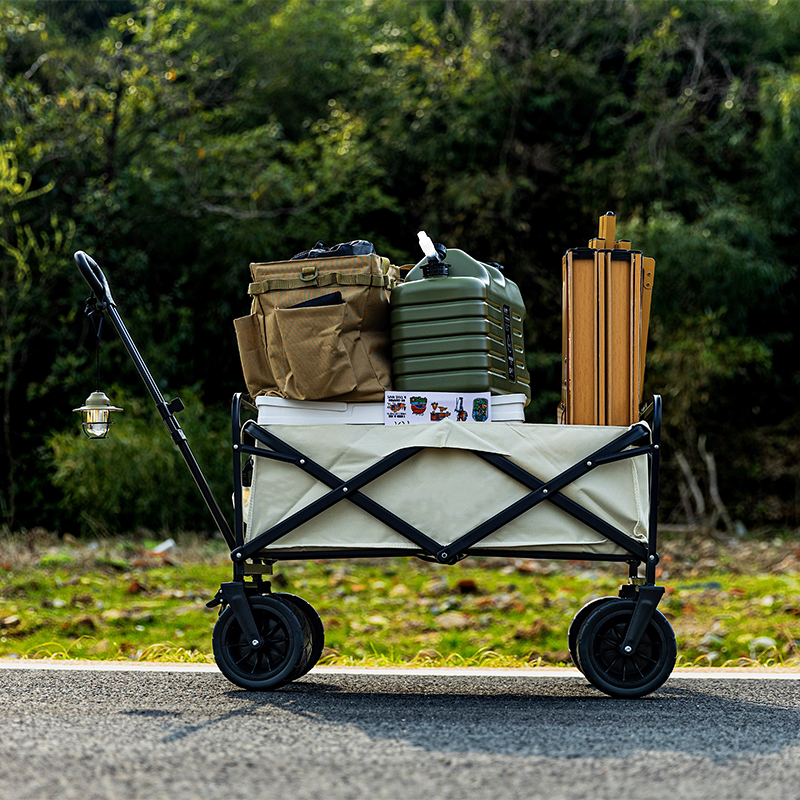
column 119, row 600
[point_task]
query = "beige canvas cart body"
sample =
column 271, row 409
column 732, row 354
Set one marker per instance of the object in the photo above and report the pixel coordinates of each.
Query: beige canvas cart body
column 447, row 488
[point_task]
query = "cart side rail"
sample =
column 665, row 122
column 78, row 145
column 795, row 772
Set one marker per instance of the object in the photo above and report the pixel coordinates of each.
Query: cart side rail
column 635, row 441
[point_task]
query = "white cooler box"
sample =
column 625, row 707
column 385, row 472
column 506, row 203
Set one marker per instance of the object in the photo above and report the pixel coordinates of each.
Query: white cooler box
column 281, row 411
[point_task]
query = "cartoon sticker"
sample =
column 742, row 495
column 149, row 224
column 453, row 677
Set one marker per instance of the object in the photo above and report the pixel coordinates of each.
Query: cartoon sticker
column 480, row 409
column 418, row 405
column 412, row 408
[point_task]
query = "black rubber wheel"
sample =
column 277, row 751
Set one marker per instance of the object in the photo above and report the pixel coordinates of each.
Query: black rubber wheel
column 269, row 666
column 613, row 672
column 577, row 623
column 313, row 632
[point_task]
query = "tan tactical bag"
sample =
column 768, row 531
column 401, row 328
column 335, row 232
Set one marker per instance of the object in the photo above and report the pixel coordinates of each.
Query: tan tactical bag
column 319, row 329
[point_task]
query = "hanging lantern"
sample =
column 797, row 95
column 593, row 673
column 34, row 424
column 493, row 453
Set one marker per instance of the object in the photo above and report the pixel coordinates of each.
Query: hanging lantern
column 96, row 412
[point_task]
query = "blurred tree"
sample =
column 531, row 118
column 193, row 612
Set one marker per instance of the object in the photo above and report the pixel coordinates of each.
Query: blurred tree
column 28, row 273
column 135, row 478
column 187, row 139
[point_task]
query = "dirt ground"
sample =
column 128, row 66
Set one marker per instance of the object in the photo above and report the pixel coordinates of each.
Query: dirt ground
column 693, row 553
column 682, row 553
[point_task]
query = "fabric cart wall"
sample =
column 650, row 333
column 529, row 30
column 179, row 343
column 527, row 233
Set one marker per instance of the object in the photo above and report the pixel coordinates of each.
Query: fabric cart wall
column 445, row 490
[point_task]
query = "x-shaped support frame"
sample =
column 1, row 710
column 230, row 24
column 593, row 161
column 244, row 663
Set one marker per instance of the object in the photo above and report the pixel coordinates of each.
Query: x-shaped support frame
column 615, row 450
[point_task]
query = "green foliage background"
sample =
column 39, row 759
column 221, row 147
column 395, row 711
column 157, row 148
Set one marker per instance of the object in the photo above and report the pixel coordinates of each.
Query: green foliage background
column 178, row 141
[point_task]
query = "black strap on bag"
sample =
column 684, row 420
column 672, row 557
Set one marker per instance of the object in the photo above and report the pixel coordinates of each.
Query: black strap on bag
column 358, row 247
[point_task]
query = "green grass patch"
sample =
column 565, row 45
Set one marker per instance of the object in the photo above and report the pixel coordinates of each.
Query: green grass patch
column 121, row 601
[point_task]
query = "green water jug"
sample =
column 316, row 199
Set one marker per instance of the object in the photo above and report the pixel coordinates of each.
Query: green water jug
column 456, row 326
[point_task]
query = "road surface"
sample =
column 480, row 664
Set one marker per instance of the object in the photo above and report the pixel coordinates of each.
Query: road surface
column 186, row 732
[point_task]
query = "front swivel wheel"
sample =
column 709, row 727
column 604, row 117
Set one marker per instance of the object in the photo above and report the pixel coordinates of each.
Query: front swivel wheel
column 616, row 673
column 268, row 666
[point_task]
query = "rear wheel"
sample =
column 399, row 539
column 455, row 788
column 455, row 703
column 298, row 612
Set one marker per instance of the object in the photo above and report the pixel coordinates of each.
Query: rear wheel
column 313, row 632
column 614, row 672
column 273, row 663
column 577, row 623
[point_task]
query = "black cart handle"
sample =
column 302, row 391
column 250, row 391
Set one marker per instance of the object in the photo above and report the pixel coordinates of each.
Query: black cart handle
column 94, row 276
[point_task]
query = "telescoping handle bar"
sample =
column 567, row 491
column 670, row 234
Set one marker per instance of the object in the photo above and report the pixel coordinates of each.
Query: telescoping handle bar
column 94, row 276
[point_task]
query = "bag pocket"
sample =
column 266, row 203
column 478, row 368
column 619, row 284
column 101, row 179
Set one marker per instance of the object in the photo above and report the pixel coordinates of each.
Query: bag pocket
column 253, row 354
column 317, row 363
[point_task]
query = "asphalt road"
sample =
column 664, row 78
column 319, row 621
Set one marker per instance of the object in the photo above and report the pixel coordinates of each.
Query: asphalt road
column 169, row 735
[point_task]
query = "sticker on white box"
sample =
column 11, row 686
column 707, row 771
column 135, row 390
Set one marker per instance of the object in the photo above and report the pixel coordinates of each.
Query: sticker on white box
column 412, row 408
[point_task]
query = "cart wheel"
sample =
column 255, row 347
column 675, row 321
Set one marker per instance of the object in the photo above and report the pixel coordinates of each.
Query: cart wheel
column 577, row 623
column 272, row 665
column 614, row 673
column 313, row 631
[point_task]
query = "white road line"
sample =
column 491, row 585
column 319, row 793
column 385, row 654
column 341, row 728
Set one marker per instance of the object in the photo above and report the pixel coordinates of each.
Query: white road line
column 102, row 666
column 703, row 673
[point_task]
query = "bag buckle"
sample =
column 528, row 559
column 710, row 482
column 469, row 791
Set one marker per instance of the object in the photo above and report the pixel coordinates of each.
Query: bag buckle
column 309, row 274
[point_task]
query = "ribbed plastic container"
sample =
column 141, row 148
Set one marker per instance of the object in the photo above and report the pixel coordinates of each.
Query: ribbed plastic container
column 460, row 332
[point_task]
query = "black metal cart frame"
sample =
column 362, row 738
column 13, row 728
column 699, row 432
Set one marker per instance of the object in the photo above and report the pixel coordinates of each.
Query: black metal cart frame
column 629, row 631
column 639, row 440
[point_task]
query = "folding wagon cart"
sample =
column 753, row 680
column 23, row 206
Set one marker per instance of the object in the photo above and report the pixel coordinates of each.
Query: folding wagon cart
column 440, row 492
